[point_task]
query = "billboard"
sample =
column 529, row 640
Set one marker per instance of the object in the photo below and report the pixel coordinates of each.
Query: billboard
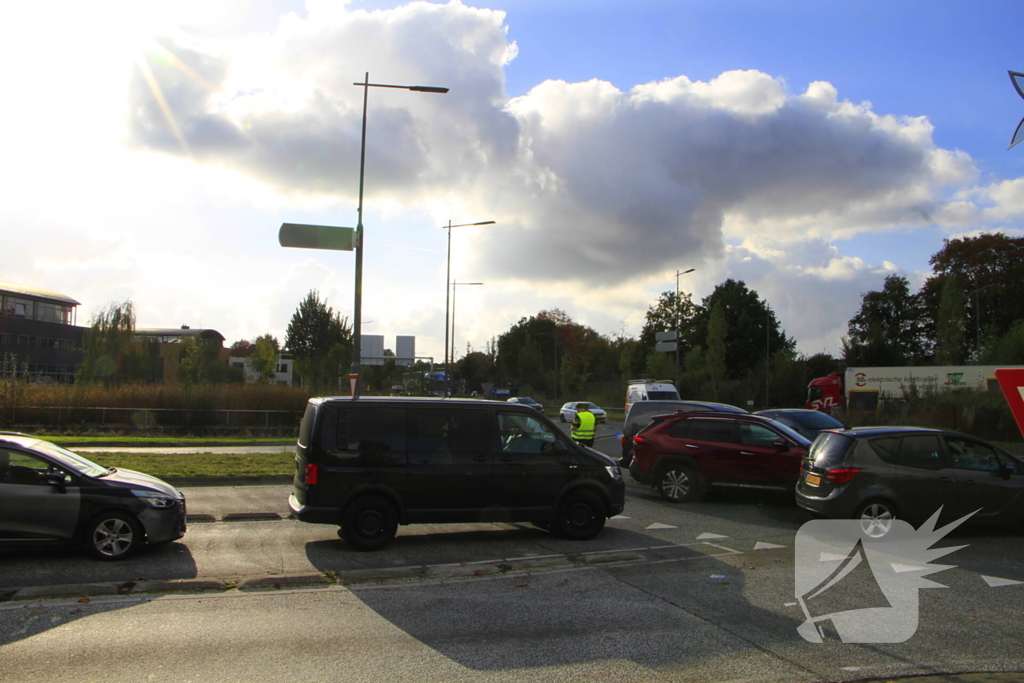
column 405, row 349
column 372, row 349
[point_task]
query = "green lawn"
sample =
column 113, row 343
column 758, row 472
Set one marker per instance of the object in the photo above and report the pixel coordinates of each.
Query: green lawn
column 117, row 440
column 166, row 465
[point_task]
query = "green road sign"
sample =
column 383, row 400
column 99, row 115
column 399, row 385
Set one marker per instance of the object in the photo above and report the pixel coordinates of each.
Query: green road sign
column 316, row 237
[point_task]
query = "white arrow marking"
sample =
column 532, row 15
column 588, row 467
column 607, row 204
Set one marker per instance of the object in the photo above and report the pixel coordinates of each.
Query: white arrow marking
column 832, row 557
column 620, row 517
column 996, row 582
column 904, row 568
column 657, row 526
column 709, row 537
column 766, row 546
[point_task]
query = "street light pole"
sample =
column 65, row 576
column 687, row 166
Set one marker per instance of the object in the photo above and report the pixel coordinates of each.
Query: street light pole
column 357, row 307
column 678, row 273
column 977, row 319
column 447, row 286
column 454, row 285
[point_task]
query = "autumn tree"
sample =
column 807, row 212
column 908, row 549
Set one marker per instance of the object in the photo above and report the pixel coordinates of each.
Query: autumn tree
column 262, row 362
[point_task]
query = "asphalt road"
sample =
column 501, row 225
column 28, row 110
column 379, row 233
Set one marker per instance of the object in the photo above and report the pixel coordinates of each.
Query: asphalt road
column 665, row 593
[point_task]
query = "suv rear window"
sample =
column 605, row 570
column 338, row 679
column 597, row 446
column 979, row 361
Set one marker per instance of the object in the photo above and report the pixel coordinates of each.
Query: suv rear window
column 830, row 450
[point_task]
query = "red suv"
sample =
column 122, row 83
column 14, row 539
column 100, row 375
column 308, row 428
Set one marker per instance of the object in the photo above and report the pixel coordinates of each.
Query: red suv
column 682, row 455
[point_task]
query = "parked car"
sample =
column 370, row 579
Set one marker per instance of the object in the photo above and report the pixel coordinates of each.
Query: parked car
column 371, row 464
column 810, row 423
column 877, row 474
column 49, row 494
column 684, row 454
column 526, row 401
column 568, row 411
column 640, row 415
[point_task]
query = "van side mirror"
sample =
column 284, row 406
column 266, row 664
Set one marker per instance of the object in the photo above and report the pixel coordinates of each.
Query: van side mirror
column 781, row 444
column 557, row 448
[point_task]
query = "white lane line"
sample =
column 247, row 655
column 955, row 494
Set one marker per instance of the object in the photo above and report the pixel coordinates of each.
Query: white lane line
column 760, row 545
column 710, row 537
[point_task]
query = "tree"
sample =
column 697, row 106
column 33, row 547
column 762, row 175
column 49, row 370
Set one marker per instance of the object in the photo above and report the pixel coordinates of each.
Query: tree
column 950, row 337
column 718, row 331
column 243, row 348
column 262, row 362
column 320, row 341
column 671, row 313
column 989, row 268
column 752, row 328
column 200, row 362
column 889, row 329
column 109, row 352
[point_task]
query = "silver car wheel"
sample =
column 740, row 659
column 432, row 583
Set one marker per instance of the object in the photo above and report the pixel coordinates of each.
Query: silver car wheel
column 113, row 537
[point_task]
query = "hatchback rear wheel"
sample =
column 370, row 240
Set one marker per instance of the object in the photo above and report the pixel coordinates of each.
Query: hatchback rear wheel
column 876, row 517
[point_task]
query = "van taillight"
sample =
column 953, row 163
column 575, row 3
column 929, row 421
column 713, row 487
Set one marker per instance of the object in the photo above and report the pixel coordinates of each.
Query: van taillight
column 842, row 475
column 311, row 474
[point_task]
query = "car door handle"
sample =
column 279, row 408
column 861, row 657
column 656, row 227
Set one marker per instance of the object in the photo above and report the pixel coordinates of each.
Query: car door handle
column 507, row 458
column 690, row 445
column 745, row 453
column 480, row 458
column 945, row 480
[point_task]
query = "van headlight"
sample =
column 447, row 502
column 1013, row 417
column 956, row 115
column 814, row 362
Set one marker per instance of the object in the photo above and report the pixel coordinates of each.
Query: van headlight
column 613, row 471
column 154, row 499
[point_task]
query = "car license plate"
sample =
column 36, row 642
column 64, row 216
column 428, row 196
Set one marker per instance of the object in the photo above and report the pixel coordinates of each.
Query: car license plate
column 813, row 480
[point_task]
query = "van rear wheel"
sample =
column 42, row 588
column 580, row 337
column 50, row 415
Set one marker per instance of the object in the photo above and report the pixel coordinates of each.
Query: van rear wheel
column 369, row 523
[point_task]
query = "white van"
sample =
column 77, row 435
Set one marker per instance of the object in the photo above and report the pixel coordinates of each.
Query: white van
column 650, row 390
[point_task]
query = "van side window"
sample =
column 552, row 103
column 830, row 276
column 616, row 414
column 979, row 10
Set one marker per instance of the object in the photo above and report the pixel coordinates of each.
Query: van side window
column 449, row 431
column 371, row 430
column 524, row 434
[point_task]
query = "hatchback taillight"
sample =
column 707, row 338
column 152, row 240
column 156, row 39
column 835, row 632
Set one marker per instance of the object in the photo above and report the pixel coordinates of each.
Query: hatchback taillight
column 311, row 474
column 640, row 440
column 842, row 475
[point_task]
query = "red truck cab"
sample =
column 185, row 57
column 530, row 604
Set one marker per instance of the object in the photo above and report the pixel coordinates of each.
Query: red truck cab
column 825, row 393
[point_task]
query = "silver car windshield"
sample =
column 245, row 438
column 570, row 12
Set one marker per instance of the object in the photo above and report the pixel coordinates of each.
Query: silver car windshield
column 69, row 460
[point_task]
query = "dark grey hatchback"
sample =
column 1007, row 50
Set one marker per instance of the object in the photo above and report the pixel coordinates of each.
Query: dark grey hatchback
column 878, row 474
column 373, row 463
column 51, row 495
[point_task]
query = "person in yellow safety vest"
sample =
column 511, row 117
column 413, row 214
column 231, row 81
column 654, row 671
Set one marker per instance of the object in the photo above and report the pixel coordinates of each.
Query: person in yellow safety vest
column 583, row 425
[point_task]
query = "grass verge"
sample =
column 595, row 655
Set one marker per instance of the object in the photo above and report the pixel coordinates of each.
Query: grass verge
column 167, row 465
column 119, row 440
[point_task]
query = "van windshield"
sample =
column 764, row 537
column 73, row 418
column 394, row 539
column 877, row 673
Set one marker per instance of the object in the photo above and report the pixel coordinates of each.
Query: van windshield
column 663, row 395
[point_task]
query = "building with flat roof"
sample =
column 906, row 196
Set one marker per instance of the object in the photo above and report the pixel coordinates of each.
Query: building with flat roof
column 168, row 343
column 38, row 334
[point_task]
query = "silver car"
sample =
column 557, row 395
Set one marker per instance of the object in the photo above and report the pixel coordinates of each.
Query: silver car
column 568, row 411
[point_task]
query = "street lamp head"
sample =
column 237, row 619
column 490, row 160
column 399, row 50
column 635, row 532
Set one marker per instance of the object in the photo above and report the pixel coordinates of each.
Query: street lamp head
column 427, row 88
column 466, row 225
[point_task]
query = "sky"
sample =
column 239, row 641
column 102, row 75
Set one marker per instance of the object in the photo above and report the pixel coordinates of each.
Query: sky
column 153, row 149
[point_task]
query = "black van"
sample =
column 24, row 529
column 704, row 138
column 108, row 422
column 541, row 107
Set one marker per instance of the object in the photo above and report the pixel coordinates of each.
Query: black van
column 373, row 463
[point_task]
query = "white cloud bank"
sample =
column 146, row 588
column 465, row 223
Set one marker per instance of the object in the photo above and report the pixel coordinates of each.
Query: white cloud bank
column 596, row 190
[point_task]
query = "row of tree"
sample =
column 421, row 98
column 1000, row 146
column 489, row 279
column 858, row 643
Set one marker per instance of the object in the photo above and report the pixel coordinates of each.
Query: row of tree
column 731, row 346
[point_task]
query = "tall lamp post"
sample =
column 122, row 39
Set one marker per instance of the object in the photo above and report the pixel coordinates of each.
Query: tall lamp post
column 357, row 308
column 447, row 288
column 454, row 285
column 977, row 319
column 678, row 273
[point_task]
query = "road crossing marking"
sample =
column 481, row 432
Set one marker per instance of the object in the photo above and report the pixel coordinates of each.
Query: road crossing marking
column 760, row 545
column 996, row 582
column 709, row 537
column 658, row 526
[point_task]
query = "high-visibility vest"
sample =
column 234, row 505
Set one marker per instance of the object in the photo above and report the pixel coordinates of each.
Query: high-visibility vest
column 585, row 430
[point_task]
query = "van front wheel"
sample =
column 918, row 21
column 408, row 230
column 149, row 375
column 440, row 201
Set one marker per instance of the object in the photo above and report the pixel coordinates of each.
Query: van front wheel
column 369, row 523
column 580, row 517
